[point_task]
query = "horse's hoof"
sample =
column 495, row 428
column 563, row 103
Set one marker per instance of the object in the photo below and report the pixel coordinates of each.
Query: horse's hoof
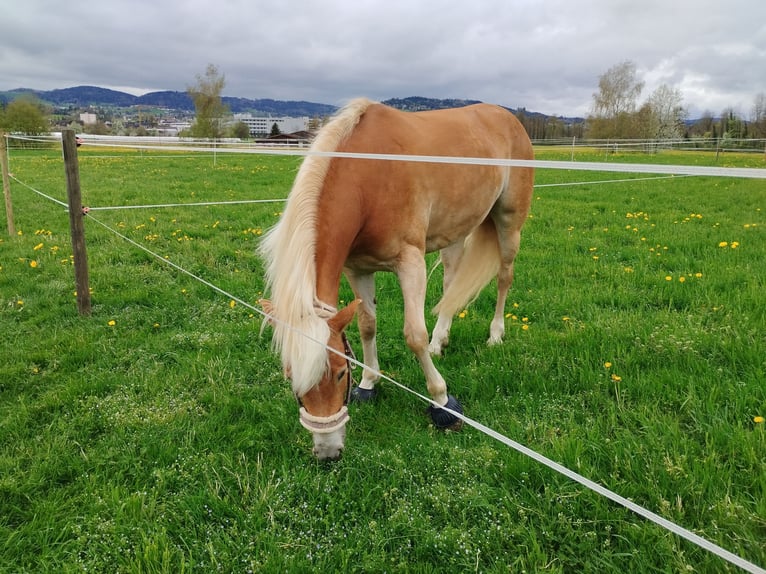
column 444, row 420
column 360, row 395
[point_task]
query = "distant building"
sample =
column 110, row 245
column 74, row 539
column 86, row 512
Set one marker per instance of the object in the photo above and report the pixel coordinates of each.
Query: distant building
column 263, row 125
column 88, row 118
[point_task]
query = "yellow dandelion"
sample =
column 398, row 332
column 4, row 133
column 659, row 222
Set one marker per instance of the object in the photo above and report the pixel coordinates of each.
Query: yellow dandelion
column 33, row 264
column 38, row 247
column 565, row 319
column 723, row 244
column 232, row 303
column 734, row 244
column 668, row 278
column 607, row 365
column 462, row 314
column 112, row 323
column 758, row 420
column 525, row 327
column 616, row 378
column 681, row 279
column 20, row 302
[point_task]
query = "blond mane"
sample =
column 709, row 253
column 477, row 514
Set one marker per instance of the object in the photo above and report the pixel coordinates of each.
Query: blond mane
column 288, row 250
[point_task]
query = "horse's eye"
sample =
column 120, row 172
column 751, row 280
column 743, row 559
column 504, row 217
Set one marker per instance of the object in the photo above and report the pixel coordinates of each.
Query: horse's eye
column 341, row 374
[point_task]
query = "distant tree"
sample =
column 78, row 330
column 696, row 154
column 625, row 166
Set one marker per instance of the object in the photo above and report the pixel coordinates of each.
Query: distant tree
column 732, row 127
column 615, row 102
column 206, row 95
column 668, row 113
column 275, row 131
column 240, row 130
column 645, row 122
column 26, row 115
column 705, row 126
column 759, row 116
column 99, row 128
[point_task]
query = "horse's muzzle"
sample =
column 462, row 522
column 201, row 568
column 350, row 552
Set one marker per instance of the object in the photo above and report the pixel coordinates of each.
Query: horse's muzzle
column 329, row 446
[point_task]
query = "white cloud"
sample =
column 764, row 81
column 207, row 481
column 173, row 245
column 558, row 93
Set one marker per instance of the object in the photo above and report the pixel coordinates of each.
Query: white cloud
column 544, row 56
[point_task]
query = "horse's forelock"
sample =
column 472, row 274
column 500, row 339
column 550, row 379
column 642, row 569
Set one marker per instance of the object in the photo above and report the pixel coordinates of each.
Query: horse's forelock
column 289, row 253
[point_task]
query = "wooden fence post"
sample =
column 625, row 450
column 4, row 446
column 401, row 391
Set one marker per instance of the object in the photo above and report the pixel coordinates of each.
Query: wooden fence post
column 6, row 185
column 76, row 225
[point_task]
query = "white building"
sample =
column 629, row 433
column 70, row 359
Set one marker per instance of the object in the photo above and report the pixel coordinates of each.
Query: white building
column 88, row 118
column 262, row 125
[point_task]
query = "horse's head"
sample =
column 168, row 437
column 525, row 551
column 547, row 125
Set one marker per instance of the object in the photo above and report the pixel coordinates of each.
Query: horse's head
column 323, row 408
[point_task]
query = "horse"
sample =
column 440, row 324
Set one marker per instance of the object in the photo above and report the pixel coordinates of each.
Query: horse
column 357, row 216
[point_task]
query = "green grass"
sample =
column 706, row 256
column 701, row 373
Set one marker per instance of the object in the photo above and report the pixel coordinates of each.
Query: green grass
column 158, row 435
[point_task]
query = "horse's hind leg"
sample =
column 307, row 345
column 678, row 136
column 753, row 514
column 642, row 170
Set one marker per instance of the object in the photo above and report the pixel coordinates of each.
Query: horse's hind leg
column 364, row 289
column 450, row 258
column 508, row 222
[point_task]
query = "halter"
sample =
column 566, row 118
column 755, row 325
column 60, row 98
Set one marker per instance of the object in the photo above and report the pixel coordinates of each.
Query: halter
column 326, row 425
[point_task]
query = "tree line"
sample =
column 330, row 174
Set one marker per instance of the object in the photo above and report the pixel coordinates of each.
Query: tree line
column 616, row 114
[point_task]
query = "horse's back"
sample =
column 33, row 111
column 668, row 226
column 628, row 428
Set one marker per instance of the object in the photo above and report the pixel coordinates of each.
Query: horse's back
column 478, row 130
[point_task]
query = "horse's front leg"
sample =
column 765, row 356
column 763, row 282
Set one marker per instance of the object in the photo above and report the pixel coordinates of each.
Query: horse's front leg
column 412, row 278
column 363, row 285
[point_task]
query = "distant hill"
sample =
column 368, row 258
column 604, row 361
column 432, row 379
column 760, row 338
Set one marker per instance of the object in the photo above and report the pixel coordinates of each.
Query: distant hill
column 85, row 96
column 417, row 103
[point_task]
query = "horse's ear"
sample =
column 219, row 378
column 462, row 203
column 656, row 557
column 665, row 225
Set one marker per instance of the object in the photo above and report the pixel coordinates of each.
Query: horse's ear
column 342, row 318
column 268, row 308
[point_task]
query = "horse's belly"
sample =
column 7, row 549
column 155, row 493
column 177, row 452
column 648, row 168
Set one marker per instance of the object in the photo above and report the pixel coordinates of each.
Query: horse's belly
column 368, row 263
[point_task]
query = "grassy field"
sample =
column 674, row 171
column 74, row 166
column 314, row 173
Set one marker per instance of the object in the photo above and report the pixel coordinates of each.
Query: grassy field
column 157, row 435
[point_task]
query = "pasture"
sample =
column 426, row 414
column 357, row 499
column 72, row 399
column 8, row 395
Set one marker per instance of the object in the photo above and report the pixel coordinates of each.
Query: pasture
column 158, row 434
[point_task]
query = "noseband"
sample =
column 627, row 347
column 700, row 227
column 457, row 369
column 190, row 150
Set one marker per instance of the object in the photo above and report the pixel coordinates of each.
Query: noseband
column 326, row 425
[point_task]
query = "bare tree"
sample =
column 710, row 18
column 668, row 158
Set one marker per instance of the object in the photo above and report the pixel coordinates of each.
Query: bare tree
column 206, row 95
column 615, row 102
column 618, row 90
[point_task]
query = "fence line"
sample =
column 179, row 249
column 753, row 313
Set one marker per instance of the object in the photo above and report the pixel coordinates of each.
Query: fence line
column 194, row 204
column 744, row 172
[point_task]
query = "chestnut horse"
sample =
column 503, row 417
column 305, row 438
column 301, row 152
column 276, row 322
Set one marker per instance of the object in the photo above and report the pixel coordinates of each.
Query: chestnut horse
column 357, row 216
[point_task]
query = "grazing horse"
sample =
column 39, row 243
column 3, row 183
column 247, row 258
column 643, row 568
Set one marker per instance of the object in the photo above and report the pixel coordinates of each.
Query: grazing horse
column 357, row 216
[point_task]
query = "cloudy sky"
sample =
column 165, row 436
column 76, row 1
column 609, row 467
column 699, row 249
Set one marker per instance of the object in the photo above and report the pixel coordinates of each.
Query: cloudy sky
column 543, row 55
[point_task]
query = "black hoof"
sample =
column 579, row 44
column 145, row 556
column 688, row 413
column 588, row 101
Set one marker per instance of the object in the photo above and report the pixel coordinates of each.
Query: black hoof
column 360, row 395
column 444, row 420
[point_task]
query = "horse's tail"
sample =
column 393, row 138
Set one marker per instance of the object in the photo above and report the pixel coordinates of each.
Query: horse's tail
column 479, row 263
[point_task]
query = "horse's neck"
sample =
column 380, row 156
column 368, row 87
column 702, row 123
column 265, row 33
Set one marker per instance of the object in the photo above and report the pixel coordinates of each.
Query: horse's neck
column 332, row 249
column 328, row 271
